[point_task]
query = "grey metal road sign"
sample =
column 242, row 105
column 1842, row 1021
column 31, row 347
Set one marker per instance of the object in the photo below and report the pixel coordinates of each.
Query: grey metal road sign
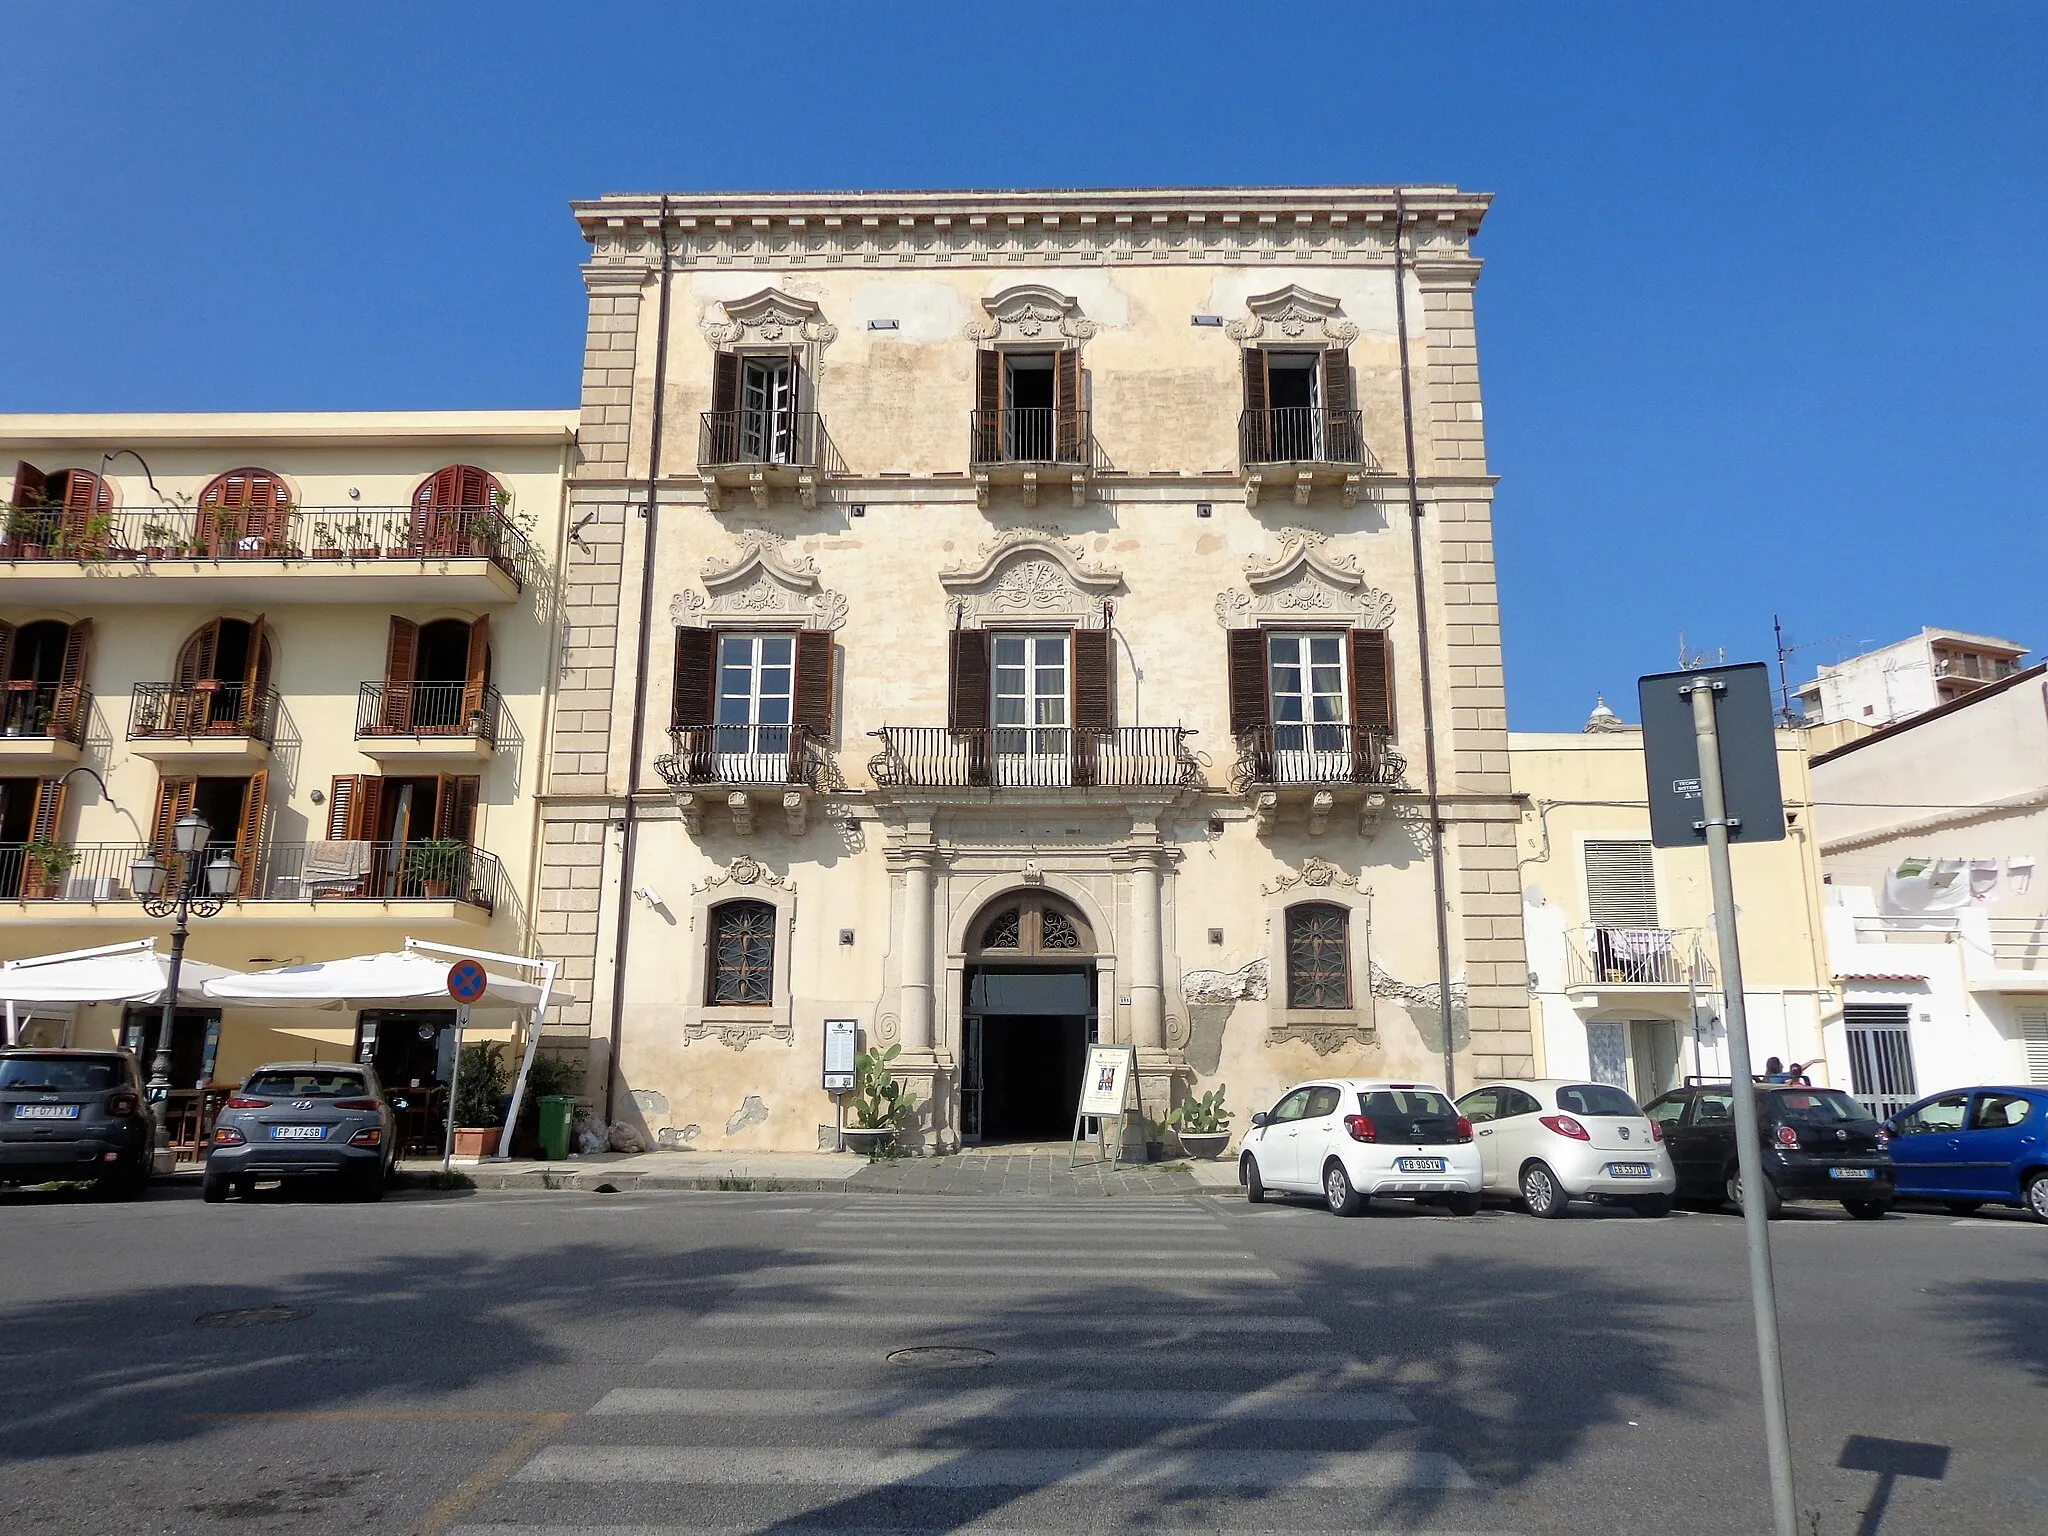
column 1749, row 755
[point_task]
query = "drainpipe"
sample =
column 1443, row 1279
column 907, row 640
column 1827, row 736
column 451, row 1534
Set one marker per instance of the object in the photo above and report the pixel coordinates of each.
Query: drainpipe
column 639, row 735
column 1430, row 782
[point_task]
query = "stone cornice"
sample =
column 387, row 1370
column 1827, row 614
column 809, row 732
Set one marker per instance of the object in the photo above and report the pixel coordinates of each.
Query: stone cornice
column 1289, row 226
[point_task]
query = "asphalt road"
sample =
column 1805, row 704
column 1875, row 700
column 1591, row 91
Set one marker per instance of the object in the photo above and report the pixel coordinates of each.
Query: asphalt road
column 573, row 1363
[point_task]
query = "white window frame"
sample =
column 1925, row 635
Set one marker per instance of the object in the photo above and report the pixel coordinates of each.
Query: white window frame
column 1303, row 753
column 761, row 754
column 1044, row 754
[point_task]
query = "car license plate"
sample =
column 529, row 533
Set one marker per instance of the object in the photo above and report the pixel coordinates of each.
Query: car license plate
column 297, row 1132
column 1419, row 1164
column 1852, row 1173
column 1628, row 1170
column 46, row 1111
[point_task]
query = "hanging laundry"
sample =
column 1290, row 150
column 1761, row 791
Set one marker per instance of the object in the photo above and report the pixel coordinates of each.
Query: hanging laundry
column 1983, row 878
column 1912, row 895
column 2019, row 873
column 1913, row 867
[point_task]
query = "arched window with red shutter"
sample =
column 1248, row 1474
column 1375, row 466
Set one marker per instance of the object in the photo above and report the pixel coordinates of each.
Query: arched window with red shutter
column 455, row 511
column 245, row 514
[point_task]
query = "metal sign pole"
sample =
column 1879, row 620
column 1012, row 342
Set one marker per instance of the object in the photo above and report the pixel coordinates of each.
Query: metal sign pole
column 454, row 1078
column 1748, row 1149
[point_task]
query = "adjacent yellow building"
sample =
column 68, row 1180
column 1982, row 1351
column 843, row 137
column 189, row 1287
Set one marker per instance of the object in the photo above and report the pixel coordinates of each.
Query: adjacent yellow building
column 1624, row 977
column 331, row 636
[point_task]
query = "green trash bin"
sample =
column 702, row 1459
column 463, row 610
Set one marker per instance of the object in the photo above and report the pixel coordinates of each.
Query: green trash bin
column 556, row 1111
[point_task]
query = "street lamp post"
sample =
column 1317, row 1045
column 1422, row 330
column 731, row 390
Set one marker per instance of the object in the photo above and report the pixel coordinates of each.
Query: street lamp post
column 187, row 889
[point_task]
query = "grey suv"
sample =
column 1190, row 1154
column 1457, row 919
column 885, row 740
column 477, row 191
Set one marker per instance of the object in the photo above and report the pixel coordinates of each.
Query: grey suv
column 296, row 1120
column 75, row 1115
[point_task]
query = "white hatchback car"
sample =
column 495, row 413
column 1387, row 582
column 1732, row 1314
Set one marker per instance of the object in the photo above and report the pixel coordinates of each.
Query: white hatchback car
column 1351, row 1138
column 1551, row 1141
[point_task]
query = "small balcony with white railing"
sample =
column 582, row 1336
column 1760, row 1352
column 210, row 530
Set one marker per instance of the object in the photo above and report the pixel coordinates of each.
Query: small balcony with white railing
column 1603, row 963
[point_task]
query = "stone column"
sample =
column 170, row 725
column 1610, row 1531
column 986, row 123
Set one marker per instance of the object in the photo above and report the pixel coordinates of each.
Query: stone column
column 917, row 860
column 1148, row 992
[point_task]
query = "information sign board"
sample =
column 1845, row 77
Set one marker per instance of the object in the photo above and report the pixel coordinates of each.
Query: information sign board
column 841, row 1041
column 1105, row 1095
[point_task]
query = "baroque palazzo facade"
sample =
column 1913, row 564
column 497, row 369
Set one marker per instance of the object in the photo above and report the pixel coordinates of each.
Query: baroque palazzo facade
column 1004, row 620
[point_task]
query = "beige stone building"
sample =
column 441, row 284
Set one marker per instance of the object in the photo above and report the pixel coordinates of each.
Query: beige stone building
column 1009, row 619
column 330, row 635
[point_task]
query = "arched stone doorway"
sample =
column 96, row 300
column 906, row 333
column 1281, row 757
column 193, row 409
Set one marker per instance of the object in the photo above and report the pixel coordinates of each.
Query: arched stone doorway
column 1027, row 1018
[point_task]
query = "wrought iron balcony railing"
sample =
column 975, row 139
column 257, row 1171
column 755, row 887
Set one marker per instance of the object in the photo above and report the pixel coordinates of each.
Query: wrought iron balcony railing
column 332, row 871
column 1030, row 435
column 167, row 712
column 351, row 533
column 745, row 754
column 1318, row 754
column 1301, row 434
column 744, row 438
column 1134, row 757
column 47, row 710
column 1642, row 957
column 427, row 710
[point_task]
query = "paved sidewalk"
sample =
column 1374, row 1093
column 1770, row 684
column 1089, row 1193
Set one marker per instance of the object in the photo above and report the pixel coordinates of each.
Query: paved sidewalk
column 1033, row 1170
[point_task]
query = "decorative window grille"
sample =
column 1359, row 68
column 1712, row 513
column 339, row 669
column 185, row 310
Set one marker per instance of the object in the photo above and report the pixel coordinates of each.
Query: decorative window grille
column 1058, row 931
column 1004, row 930
column 1318, row 956
column 743, row 953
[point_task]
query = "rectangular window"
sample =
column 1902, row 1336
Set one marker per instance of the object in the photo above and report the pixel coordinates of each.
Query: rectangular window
column 1028, row 704
column 1294, row 384
column 756, row 688
column 1621, row 885
column 1028, row 425
column 1309, row 694
column 767, row 409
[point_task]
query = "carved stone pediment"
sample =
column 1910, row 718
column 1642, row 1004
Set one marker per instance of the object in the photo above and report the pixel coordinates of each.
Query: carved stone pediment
column 1305, row 581
column 1030, row 575
column 770, row 318
column 1031, row 312
column 1293, row 314
column 761, row 581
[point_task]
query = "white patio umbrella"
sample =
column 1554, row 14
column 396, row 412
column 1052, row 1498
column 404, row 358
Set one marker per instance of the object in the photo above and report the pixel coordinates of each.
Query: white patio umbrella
column 114, row 973
column 395, row 979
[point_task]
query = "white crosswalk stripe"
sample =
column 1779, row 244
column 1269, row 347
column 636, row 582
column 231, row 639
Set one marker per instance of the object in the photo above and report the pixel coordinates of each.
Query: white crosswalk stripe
column 1126, row 1367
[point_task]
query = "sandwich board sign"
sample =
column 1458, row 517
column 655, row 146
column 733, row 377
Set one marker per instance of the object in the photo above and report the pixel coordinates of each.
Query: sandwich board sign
column 1105, row 1094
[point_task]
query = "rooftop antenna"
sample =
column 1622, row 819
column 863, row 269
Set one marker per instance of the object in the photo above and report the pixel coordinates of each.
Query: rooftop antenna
column 1688, row 658
column 1784, row 689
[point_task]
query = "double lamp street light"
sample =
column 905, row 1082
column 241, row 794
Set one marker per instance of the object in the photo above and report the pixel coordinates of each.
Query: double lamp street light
column 187, row 888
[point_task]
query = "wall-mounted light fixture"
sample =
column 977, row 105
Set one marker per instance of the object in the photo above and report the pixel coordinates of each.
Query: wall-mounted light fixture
column 1204, row 509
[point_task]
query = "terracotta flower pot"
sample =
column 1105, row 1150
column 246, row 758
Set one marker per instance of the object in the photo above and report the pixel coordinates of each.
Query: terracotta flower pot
column 477, row 1140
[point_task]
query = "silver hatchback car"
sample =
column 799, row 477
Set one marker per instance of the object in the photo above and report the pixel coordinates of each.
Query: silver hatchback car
column 294, row 1120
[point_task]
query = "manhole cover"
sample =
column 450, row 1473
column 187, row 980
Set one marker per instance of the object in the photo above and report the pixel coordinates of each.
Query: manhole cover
column 941, row 1357
column 247, row 1317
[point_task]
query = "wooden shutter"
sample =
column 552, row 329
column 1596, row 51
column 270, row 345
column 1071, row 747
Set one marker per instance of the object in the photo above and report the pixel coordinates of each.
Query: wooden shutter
column 1249, row 707
column 401, row 662
column 725, row 381
column 476, row 675
column 195, row 665
column 455, row 801
column 1372, row 678
column 29, row 484
column 174, row 799
column 255, row 676
column 6, row 647
column 1621, row 885
column 1257, row 437
column 253, row 501
column 967, row 680
column 988, row 407
column 693, row 691
column 341, row 807
column 45, row 822
column 84, row 494
column 249, row 832
column 1094, row 680
column 1340, row 429
column 1066, row 403
column 69, row 705
column 813, row 704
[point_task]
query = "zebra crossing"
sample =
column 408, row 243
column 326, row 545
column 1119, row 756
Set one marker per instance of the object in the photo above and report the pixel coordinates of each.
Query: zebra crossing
column 924, row 1365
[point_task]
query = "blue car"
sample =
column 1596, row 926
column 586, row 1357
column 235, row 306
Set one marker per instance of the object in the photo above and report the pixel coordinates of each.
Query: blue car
column 1976, row 1146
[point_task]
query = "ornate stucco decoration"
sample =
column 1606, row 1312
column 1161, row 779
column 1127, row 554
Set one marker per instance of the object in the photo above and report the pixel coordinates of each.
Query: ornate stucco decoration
column 743, row 872
column 770, row 318
column 1315, row 874
column 1293, row 314
column 739, row 1036
column 1304, row 581
column 1328, row 1039
column 1031, row 312
column 760, row 581
column 1028, row 575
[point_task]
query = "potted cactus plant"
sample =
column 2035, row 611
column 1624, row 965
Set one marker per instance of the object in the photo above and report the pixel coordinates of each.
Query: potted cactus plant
column 1203, row 1123
column 881, row 1107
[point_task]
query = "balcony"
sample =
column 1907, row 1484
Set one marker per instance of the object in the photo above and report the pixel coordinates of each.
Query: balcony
column 216, row 723
column 736, row 766
column 1603, row 963
column 762, row 451
column 1318, row 769
column 420, row 882
column 1028, row 447
column 1301, row 447
column 42, row 724
column 1030, row 758
column 296, row 554
column 410, row 722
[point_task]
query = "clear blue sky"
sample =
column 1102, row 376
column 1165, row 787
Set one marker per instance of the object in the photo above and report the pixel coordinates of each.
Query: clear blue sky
column 1762, row 327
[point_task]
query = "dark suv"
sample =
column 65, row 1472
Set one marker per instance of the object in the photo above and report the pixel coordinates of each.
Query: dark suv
column 1818, row 1144
column 75, row 1115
